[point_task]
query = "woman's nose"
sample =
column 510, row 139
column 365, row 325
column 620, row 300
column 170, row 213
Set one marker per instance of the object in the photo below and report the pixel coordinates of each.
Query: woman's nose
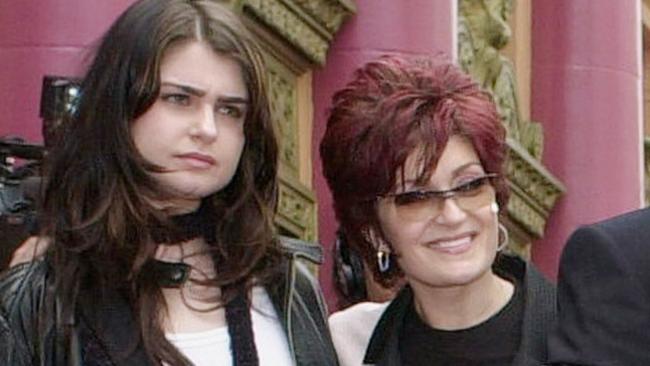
column 205, row 127
column 450, row 212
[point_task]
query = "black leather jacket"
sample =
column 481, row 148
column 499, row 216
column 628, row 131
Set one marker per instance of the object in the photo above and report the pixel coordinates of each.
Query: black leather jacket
column 24, row 297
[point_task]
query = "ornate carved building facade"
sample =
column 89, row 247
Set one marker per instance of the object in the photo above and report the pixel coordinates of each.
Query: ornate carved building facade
column 569, row 89
column 295, row 35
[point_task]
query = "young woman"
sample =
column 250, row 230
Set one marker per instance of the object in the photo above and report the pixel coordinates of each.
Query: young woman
column 414, row 155
column 159, row 212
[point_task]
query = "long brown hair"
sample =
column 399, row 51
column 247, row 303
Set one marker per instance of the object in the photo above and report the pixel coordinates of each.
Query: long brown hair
column 97, row 199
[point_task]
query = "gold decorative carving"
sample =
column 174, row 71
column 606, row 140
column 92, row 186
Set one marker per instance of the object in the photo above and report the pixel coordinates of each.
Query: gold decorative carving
column 296, row 214
column 523, row 213
column 528, row 174
column 282, row 95
column 534, row 190
column 296, row 209
column 287, row 23
column 329, row 13
column 483, row 33
column 295, row 35
column 307, row 25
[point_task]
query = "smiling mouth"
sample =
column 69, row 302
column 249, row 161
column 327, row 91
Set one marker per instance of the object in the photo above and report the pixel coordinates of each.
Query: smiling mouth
column 452, row 246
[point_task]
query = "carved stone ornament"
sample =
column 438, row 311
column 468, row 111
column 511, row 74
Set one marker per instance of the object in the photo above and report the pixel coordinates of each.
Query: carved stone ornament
column 295, row 36
column 534, row 190
column 483, row 32
column 296, row 209
column 308, row 25
column 282, row 97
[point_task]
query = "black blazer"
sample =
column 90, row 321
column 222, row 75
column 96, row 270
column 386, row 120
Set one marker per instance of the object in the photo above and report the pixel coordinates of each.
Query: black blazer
column 604, row 295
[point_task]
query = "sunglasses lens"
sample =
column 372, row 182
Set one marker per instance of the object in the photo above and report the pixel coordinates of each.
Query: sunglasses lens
column 422, row 205
column 476, row 196
column 414, row 206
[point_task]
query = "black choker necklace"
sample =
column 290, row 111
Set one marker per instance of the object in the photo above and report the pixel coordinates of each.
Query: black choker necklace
column 174, row 275
column 169, row 274
column 182, row 227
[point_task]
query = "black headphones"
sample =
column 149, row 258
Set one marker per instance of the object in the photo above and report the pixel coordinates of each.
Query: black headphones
column 348, row 271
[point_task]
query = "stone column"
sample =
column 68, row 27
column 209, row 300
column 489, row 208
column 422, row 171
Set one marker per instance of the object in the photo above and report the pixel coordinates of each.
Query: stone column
column 586, row 91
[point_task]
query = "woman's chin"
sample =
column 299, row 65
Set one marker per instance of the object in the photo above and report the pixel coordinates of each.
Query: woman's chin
column 195, row 192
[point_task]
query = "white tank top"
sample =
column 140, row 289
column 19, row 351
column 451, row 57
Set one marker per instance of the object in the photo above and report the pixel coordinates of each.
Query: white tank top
column 212, row 347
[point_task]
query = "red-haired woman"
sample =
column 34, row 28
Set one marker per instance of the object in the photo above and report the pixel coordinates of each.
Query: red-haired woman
column 414, row 154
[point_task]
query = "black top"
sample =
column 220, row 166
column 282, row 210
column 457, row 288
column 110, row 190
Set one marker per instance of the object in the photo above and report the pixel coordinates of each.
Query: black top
column 493, row 342
column 539, row 315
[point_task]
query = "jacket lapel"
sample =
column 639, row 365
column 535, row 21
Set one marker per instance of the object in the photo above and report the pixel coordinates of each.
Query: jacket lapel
column 109, row 317
column 539, row 315
column 383, row 348
column 539, row 309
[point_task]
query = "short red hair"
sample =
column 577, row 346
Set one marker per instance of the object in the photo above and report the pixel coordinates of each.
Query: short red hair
column 392, row 107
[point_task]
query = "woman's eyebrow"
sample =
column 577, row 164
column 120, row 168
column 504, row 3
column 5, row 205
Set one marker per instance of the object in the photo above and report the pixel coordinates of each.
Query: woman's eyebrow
column 461, row 168
column 186, row 88
column 233, row 99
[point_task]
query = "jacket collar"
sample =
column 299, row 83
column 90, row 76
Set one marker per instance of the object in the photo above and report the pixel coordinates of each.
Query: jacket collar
column 299, row 305
column 109, row 318
column 539, row 311
column 383, row 346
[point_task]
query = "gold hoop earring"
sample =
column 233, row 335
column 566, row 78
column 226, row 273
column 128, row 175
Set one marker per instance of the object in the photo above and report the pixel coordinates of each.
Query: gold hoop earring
column 503, row 233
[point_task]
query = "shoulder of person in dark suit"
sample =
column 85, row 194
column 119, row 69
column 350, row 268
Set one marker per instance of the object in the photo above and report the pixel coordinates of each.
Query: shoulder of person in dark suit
column 604, row 294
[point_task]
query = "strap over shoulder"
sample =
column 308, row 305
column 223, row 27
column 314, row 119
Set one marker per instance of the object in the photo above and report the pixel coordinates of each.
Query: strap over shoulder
column 311, row 251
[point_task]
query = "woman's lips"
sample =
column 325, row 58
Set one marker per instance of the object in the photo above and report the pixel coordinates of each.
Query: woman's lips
column 198, row 160
column 455, row 245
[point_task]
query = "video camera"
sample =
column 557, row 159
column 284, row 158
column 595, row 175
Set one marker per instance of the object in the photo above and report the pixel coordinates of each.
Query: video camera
column 21, row 172
column 19, row 193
